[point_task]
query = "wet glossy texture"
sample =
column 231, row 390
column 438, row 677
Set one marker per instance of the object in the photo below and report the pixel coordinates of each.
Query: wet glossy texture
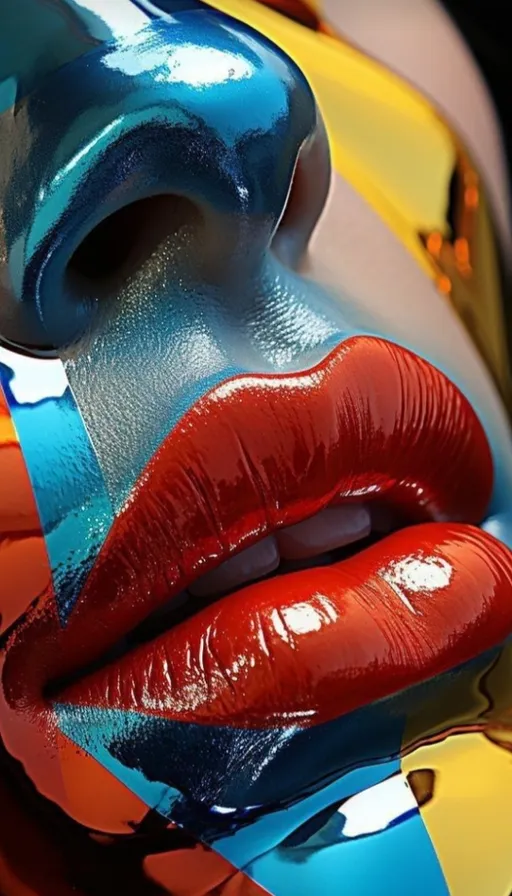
column 163, row 168
column 393, row 145
column 167, row 119
column 314, row 645
column 71, row 508
column 279, row 459
column 315, row 827
column 260, row 453
column 36, row 38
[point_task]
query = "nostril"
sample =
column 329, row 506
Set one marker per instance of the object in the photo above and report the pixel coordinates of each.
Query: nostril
column 306, row 199
column 118, row 247
column 193, row 130
column 106, row 250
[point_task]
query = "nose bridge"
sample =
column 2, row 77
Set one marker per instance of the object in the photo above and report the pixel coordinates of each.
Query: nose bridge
column 37, row 37
column 199, row 106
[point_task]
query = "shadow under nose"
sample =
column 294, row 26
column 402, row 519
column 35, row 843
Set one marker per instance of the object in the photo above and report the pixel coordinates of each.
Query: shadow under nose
column 192, row 125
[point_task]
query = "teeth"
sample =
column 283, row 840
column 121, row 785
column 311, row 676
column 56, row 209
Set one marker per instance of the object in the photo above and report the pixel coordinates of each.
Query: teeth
column 333, row 528
column 253, row 563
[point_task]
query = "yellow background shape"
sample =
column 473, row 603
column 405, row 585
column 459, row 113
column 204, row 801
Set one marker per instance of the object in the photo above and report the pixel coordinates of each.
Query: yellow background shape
column 469, row 816
column 386, row 138
column 398, row 152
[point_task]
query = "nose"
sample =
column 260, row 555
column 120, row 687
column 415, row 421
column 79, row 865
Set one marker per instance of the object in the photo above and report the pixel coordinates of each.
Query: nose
column 193, row 122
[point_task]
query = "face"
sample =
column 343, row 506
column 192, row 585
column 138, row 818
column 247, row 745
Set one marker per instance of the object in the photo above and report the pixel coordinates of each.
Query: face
column 255, row 458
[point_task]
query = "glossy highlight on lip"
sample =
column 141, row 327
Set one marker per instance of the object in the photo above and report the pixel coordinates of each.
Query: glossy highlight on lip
column 258, row 453
column 226, row 727
column 328, row 641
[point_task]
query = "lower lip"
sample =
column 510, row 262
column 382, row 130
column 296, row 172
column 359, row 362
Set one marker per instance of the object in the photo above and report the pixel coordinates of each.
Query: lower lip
column 307, row 647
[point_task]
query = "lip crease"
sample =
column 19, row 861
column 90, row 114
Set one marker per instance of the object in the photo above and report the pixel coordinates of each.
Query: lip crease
column 372, row 422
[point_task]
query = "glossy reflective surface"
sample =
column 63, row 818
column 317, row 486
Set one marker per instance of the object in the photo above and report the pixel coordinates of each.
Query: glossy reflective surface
column 184, row 392
column 25, row 572
column 144, row 124
column 75, row 513
column 394, row 146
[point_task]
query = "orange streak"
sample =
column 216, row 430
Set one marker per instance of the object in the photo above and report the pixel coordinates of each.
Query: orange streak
column 24, row 567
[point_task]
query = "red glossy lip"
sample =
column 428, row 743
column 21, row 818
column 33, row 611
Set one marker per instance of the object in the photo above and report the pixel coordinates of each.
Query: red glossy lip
column 325, row 641
column 372, row 421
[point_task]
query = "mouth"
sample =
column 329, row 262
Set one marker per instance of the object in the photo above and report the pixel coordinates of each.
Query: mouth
column 250, row 579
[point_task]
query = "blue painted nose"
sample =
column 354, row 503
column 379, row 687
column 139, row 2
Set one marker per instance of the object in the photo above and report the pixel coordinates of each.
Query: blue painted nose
column 196, row 106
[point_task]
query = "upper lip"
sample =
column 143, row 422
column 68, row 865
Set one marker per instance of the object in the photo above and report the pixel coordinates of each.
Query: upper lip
column 260, row 452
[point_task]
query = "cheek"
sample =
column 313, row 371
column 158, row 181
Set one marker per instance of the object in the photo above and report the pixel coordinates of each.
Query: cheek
column 355, row 253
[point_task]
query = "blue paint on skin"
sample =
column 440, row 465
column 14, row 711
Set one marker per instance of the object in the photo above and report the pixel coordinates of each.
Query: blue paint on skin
column 135, row 125
column 69, row 489
column 168, row 337
column 399, row 859
column 127, row 107
column 193, row 108
column 500, row 524
column 199, row 776
column 266, row 847
column 37, row 38
column 246, row 790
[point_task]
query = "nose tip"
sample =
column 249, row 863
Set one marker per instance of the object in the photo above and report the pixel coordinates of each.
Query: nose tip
column 202, row 109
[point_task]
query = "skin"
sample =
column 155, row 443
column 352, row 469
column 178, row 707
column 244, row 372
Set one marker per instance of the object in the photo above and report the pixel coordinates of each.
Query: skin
column 312, row 287
column 426, row 324
column 211, row 329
